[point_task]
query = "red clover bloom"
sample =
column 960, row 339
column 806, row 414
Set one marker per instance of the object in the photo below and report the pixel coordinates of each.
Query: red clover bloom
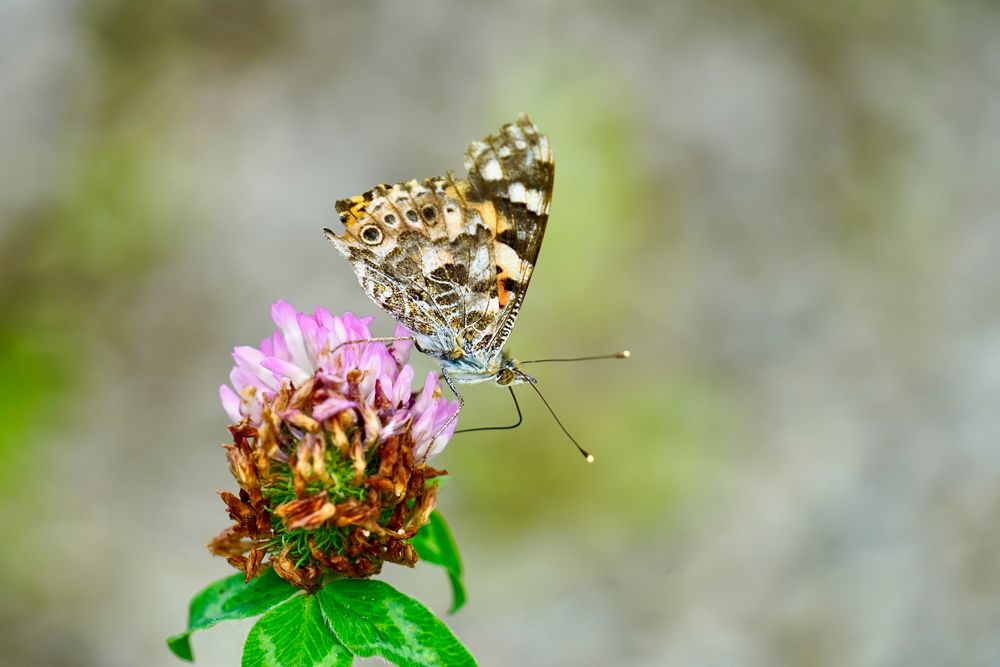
column 330, row 449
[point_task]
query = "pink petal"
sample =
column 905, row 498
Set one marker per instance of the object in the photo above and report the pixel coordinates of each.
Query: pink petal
column 322, row 342
column 280, row 348
column 230, row 402
column 323, row 317
column 330, row 407
column 373, row 369
column 241, row 378
column 422, row 427
column 286, row 369
column 401, row 348
column 402, row 387
column 423, row 402
column 444, row 412
column 267, row 347
column 309, row 329
column 376, row 357
column 397, row 423
column 339, row 330
column 249, row 359
column 286, row 318
column 356, row 328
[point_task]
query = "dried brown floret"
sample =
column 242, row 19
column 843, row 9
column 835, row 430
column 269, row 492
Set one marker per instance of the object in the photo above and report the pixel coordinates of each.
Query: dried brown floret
column 326, row 495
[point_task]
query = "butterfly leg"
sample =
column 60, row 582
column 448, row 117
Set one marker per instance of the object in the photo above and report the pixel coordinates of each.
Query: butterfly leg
column 377, row 339
column 499, row 428
column 451, row 385
column 461, row 404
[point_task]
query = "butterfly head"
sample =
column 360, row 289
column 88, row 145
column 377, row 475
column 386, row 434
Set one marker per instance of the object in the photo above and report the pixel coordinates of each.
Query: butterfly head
column 510, row 373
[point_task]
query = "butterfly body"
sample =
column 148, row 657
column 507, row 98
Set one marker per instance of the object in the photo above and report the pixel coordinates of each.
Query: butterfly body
column 469, row 369
column 451, row 258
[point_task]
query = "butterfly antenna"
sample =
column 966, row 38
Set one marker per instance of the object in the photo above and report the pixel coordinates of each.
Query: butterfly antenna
column 587, row 455
column 624, row 354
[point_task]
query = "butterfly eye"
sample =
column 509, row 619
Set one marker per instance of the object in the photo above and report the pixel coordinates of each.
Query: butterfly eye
column 371, row 235
column 504, row 377
column 411, row 215
column 429, row 213
column 390, row 219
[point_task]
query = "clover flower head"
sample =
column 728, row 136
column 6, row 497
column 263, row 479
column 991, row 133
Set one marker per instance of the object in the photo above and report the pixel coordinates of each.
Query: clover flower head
column 330, row 448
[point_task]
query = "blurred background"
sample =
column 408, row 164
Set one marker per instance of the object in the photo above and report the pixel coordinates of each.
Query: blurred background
column 788, row 212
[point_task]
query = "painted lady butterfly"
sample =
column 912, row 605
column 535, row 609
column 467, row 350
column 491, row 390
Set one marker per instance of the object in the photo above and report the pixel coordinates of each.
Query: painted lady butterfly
column 451, row 258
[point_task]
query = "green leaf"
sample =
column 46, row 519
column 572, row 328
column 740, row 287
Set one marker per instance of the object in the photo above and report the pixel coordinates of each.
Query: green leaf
column 373, row 618
column 180, row 645
column 294, row 634
column 435, row 545
column 229, row 599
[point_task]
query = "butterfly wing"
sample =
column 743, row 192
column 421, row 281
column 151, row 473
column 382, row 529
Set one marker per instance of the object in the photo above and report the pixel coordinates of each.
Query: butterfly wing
column 512, row 172
column 397, row 240
column 451, row 259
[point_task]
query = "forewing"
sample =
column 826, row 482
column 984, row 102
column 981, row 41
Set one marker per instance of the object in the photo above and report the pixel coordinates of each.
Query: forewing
column 411, row 249
column 511, row 173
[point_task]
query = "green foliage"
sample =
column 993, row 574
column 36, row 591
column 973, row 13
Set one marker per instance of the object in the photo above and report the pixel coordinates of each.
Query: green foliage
column 115, row 220
column 294, row 634
column 32, row 370
column 435, row 545
column 230, row 599
column 372, row 618
column 345, row 618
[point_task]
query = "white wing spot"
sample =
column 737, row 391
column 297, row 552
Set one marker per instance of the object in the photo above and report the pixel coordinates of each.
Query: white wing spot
column 503, row 151
column 416, row 189
column 543, row 149
column 432, row 258
column 491, row 170
column 476, row 148
column 534, row 201
column 517, row 193
column 508, row 261
column 480, row 262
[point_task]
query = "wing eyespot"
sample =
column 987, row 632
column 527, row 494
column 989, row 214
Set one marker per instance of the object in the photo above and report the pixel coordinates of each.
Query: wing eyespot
column 371, row 235
column 430, row 214
column 411, row 215
column 389, row 219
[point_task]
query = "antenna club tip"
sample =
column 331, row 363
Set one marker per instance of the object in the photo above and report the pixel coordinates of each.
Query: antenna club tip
column 589, row 458
column 625, row 354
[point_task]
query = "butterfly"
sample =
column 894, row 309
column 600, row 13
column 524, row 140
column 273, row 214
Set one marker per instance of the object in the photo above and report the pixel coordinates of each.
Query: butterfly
column 451, row 258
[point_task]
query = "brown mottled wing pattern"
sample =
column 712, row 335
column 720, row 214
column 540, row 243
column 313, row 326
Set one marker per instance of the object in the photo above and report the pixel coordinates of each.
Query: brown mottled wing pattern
column 451, row 259
column 396, row 236
column 514, row 171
